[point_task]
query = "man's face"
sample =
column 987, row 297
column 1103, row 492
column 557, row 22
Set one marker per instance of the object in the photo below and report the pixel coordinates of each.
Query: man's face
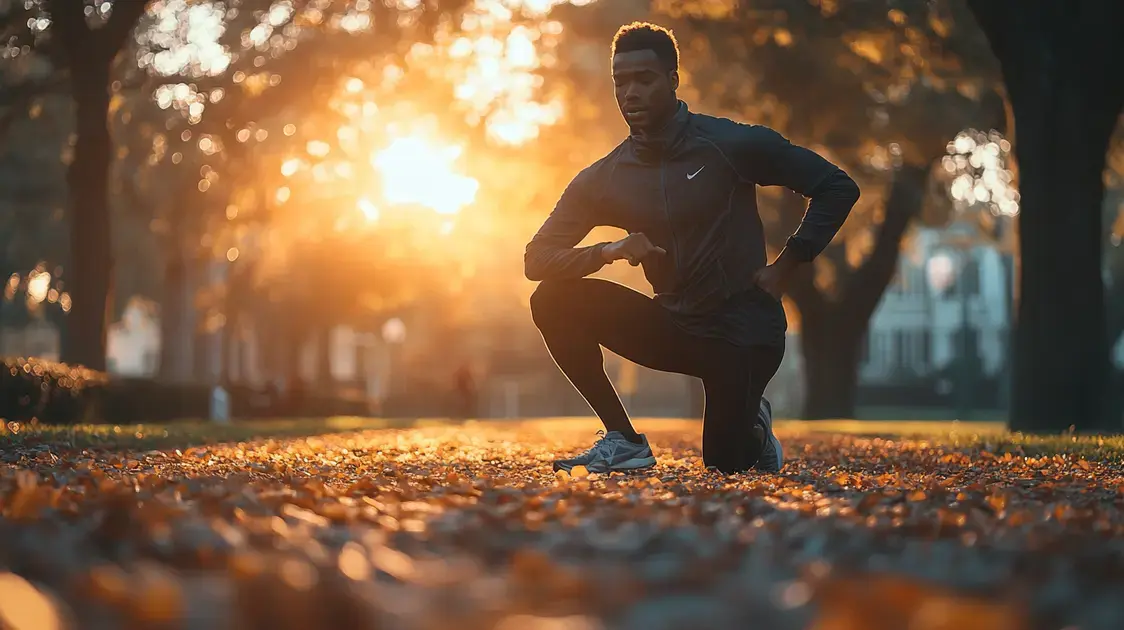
column 645, row 88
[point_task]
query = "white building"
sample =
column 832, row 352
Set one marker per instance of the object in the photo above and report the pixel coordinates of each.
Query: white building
column 917, row 327
column 133, row 344
column 915, row 331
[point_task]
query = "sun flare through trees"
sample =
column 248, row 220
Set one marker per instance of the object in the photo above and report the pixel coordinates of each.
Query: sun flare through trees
column 488, row 64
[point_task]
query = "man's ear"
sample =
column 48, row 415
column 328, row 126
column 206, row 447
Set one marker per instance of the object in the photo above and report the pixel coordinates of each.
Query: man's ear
column 674, row 78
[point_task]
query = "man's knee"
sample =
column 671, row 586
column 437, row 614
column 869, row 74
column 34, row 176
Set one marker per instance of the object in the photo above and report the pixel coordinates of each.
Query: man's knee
column 550, row 300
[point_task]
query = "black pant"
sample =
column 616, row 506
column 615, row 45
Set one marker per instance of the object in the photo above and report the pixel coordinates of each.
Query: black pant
column 577, row 317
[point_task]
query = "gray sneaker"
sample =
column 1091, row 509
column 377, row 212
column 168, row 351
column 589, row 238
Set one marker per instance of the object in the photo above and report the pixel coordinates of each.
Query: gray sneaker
column 611, row 452
column 772, row 457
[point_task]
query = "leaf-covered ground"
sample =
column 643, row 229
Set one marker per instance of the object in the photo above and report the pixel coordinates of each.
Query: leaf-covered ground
column 871, row 526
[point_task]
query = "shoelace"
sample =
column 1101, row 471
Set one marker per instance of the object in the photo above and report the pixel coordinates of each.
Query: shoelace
column 598, row 446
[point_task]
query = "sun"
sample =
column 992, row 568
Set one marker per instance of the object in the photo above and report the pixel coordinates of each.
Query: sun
column 414, row 171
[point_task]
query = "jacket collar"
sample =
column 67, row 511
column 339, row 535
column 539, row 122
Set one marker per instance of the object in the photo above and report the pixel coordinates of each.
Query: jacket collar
column 650, row 146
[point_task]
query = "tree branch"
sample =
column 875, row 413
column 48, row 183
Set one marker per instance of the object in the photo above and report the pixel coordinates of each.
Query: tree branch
column 122, row 20
column 994, row 17
column 869, row 282
column 69, row 20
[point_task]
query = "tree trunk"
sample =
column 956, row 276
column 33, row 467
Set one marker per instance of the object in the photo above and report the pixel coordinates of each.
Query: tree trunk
column 90, row 54
column 1115, row 403
column 324, row 376
column 1062, row 66
column 832, row 329
column 175, row 333
column 230, row 331
column 830, row 345
column 91, row 262
column 1059, row 377
column 202, row 353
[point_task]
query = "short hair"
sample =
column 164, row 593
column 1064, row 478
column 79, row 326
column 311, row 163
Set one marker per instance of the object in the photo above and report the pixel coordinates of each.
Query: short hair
column 648, row 36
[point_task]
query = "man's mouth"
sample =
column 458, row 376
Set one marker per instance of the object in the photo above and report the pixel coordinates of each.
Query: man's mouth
column 632, row 114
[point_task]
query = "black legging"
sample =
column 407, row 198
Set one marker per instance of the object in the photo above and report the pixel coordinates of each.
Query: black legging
column 577, row 317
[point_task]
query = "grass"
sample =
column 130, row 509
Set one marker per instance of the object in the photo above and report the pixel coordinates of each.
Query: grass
column 992, row 437
column 927, row 413
column 183, row 434
column 988, row 436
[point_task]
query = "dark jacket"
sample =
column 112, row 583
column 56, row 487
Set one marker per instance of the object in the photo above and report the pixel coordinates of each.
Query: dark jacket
column 691, row 189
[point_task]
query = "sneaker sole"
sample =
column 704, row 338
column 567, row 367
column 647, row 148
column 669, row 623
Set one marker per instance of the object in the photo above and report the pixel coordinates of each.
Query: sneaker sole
column 779, row 463
column 636, row 463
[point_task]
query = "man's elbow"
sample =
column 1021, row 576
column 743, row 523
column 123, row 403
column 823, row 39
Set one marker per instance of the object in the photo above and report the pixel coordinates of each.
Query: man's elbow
column 533, row 268
column 846, row 194
column 848, row 189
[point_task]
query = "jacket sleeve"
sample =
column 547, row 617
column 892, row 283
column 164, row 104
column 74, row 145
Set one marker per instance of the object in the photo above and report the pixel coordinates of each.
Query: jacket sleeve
column 769, row 159
column 551, row 254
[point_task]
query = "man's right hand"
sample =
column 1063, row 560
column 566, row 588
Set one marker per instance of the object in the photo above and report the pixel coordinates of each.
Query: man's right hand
column 634, row 248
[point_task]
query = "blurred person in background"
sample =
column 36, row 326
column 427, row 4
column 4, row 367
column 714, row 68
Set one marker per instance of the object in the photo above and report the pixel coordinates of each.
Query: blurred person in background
column 683, row 185
column 465, row 386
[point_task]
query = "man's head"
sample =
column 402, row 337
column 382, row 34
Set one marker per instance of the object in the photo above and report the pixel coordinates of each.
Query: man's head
column 645, row 74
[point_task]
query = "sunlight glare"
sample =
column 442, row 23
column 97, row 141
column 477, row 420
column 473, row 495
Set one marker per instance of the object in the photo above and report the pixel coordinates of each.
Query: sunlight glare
column 370, row 211
column 977, row 164
column 417, row 172
column 38, row 284
column 290, row 166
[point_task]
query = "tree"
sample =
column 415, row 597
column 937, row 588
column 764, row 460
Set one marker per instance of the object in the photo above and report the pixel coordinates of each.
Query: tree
column 81, row 41
column 1063, row 67
column 80, row 46
column 90, row 52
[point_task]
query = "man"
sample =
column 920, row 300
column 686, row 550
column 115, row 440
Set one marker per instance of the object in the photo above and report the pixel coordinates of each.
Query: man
column 683, row 185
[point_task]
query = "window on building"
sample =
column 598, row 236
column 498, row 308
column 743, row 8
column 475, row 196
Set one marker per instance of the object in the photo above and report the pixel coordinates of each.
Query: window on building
column 918, row 283
column 924, row 350
column 970, row 275
column 971, row 348
column 901, row 358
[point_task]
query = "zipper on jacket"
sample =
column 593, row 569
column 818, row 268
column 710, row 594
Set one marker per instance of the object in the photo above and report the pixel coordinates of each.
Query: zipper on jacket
column 667, row 213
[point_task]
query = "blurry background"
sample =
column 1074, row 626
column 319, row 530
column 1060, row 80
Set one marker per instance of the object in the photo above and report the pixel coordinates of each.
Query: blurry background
column 323, row 204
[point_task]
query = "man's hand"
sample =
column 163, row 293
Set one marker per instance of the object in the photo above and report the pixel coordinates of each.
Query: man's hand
column 634, row 248
column 774, row 278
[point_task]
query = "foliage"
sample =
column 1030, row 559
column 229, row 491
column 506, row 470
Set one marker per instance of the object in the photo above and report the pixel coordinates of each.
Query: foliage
column 33, row 235
column 50, row 392
column 36, row 395
column 871, row 526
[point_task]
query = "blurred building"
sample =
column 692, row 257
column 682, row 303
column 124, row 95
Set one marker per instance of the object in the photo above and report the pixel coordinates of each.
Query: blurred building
column 133, row 344
column 918, row 328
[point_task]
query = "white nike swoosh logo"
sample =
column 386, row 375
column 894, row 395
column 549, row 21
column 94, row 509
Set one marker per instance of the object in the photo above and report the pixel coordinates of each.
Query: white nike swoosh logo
column 692, row 175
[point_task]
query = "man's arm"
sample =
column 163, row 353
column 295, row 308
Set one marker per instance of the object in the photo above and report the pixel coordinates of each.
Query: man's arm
column 551, row 254
column 771, row 160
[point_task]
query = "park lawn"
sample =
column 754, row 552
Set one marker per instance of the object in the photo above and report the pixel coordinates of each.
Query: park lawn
column 185, row 434
column 986, row 436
